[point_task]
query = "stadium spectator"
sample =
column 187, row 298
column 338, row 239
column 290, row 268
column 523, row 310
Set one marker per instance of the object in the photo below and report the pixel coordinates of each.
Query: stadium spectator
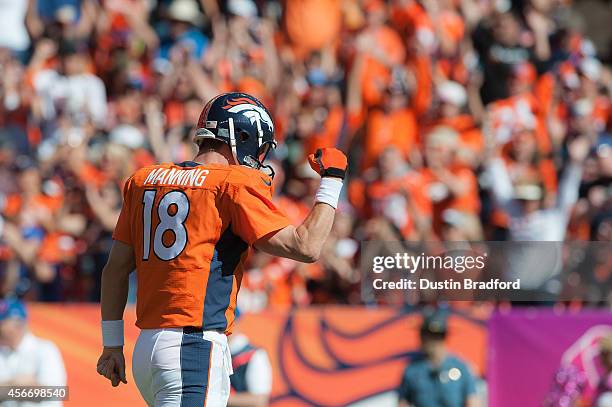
column 529, row 220
column 13, row 31
column 69, row 89
column 449, row 183
column 396, row 192
column 450, row 109
column 25, row 359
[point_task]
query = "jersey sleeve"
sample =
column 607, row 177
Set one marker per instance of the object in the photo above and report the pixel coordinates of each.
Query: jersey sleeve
column 123, row 231
column 253, row 214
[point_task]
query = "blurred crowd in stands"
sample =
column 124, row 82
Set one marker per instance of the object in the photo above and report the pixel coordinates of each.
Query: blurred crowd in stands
column 462, row 120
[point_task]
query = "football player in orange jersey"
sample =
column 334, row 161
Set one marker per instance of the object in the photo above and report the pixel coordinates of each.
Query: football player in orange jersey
column 186, row 229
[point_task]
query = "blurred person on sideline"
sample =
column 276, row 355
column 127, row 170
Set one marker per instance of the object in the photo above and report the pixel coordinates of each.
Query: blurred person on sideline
column 436, row 378
column 252, row 379
column 26, row 360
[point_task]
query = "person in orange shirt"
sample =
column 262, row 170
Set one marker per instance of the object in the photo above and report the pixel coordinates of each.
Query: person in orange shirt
column 311, row 24
column 383, row 50
column 452, row 100
column 522, row 108
column 449, row 185
column 526, row 164
column 186, row 229
column 394, row 192
column 323, row 106
column 391, row 124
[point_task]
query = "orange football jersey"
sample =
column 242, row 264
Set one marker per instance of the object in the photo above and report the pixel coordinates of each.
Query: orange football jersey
column 191, row 226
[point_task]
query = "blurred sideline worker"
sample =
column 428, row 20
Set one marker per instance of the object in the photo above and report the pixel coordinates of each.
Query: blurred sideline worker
column 252, row 378
column 436, row 378
column 26, row 360
column 187, row 228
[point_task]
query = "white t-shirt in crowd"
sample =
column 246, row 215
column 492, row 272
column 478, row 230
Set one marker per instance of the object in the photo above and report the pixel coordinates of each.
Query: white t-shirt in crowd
column 35, row 357
column 80, row 94
column 13, row 31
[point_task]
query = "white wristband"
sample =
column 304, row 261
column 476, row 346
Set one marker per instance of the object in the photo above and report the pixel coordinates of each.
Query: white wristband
column 329, row 191
column 112, row 333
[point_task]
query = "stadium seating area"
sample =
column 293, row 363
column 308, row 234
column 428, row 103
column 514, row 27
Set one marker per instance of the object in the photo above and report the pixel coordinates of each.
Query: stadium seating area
column 426, row 97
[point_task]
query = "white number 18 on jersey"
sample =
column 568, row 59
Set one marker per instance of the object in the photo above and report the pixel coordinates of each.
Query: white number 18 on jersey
column 172, row 209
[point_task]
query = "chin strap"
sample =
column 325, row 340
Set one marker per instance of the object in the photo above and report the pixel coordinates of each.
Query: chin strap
column 270, row 169
column 250, row 162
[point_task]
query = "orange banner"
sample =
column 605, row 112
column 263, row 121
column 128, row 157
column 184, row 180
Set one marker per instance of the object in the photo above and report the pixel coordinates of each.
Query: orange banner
column 326, row 356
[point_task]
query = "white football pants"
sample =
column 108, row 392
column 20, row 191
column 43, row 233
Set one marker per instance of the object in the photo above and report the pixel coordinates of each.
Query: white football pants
column 182, row 367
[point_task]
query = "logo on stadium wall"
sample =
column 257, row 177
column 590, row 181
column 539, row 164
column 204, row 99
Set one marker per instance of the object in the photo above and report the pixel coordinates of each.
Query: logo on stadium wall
column 334, row 357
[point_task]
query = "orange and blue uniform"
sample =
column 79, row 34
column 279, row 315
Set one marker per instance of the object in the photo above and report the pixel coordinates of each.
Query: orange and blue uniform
column 190, row 226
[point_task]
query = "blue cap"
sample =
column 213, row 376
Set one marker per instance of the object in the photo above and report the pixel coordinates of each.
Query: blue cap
column 12, row 308
column 435, row 322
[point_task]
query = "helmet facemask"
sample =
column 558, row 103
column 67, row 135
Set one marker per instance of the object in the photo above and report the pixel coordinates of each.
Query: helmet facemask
column 244, row 124
column 238, row 136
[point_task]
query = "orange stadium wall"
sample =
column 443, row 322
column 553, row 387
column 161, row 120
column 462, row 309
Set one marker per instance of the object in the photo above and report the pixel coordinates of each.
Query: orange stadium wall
column 323, row 356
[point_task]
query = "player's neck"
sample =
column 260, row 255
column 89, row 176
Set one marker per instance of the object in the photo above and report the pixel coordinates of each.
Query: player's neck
column 211, row 157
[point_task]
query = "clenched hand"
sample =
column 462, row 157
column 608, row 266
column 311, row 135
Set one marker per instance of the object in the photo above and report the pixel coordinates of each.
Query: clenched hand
column 112, row 365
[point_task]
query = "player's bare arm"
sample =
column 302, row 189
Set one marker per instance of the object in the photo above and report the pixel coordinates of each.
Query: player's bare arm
column 304, row 243
column 114, row 297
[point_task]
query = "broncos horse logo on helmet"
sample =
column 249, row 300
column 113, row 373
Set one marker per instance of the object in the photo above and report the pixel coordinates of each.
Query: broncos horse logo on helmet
column 243, row 123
